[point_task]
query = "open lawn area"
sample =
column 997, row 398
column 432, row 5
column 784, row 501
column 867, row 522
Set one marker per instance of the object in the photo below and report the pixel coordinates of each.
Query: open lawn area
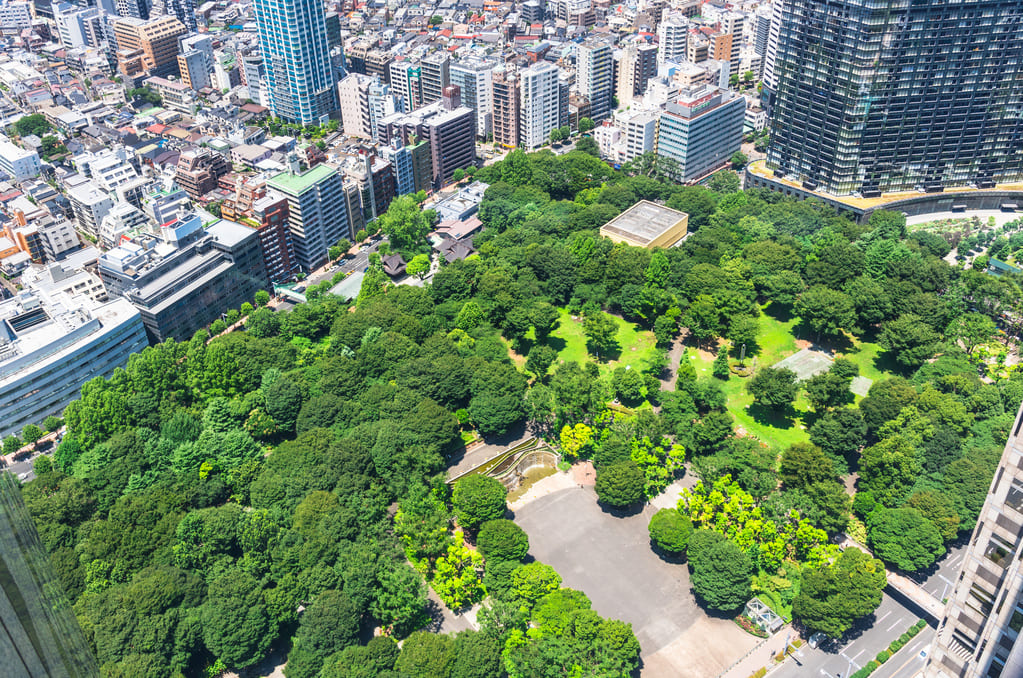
column 637, row 346
column 778, row 340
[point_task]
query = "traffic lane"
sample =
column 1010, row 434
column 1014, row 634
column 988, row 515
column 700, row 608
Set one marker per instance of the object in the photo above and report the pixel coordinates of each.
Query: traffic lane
column 861, row 644
column 910, row 660
column 939, row 579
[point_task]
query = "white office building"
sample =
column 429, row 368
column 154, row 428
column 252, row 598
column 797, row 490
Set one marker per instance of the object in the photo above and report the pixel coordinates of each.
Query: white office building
column 51, row 344
column 16, row 162
column 475, row 77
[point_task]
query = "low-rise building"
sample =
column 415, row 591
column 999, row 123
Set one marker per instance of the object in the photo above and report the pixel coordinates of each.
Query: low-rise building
column 18, row 163
column 647, row 224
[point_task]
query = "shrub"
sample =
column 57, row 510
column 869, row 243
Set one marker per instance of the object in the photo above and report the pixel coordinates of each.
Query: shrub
column 502, row 539
column 883, row 656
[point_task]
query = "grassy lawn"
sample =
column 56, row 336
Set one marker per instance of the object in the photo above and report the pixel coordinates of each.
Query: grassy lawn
column 637, row 345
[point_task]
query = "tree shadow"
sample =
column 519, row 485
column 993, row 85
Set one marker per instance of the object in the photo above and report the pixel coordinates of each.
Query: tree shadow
column 607, row 356
column 752, row 348
column 621, row 512
column 885, row 361
column 667, row 556
column 557, row 343
column 783, row 313
column 773, row 418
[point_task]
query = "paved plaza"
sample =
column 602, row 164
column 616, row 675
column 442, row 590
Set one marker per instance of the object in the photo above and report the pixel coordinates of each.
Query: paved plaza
column 609, row 558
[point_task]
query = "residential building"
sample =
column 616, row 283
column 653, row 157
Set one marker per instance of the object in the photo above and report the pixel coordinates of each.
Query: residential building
column 164, row 204
column 375, row 179
column 183, row 278
column 540, row 104
column 446, row 125
column 122, row 219
column 196, row 62
column 888, row 96
column 353, row 93
column 593, row 76
column 978, row 635
column 182, row 10
column 639, row 132
column 253, row 75
column 78, row 26
column 51, row 344
column 317, row 213
column 400, row 158
column 299, row 75
column 251, row 206
column 199, row 170
column 636, row 65
column 436, row 75
column 701, row 130
column 672, row 39
column 58, row 238
column 407, row 84
column 506, row 102
column 41, row 637
column 474, row 76
column 16, row 162
column 15, row 16
column 90, row 205
column 732, row 24
column 109, row 169
column 148, row 46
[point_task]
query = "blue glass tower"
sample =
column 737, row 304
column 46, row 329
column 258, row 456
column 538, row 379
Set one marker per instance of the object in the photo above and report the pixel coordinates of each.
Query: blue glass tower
column 299, row 77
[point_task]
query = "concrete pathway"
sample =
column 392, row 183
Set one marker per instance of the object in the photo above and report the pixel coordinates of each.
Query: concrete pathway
column 481, row 454
column 762, row 655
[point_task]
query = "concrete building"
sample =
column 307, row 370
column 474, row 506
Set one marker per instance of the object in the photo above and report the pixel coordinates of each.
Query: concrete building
column 475, row 78
column 647, row 224
column 122, row 219
column 701, row 130
column 90, row 205
column 636, row 65
column 672, row 39
column 299, row 75
column 16, row 162
column 593, row 76
column 436, row 75
column 51, row 344
column 978, row 636
column 446, row 125
column 251, row 206
column 148, row 46
column 639, row 132
column 407, row 83
column 78, row 27
column 196, row 62
column 400, row 158
column 506, row 102
column 183, row 277
column 353, row 93
column 15, row 16
column 317, row 213
column 540, row 104
column 199, row 170
column 182, row 10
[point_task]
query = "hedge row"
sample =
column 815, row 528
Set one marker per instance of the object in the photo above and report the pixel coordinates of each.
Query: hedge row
column 895, row 646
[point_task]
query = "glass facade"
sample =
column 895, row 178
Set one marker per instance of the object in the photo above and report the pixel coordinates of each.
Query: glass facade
column 888, row 95
column 299, row 74
column 39, row 635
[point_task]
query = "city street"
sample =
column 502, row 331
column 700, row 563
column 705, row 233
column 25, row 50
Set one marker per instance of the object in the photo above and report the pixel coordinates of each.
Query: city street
column 889, row 621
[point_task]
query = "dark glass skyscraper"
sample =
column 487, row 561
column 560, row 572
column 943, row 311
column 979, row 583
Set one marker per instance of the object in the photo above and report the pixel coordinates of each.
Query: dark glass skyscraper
column 887, row 95
column 39, row 635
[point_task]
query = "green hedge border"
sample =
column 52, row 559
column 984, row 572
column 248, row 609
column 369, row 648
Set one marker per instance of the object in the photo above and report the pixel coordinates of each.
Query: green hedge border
column 895, row 646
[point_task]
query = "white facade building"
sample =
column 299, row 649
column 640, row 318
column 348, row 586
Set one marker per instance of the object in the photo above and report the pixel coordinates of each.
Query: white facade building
column 17, row 162
column 538, row 104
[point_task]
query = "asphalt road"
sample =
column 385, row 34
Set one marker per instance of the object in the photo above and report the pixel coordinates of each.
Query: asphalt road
column 940, row 579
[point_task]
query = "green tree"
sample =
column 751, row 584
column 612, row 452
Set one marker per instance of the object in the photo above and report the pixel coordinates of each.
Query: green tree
column 620, row 484
column 540, row 359
column 909, row 340
column 426, row 655
column 329, row 624
column 419, row 266
column 825, row 310
column 502, row 539
column 721, row 574
column 405, row 223
column 670, row 530
column 555, row 135
column 627, row 384
column 458, row 175
column 739, row 160
column 724, row 181
column 375, row 658
column 587, row 145
column 31, row 434
column 601, row 333
column 261, row 298
column 236, row 626
column 585, row 125
column 531, row 582
column 720, row 367
column 477, row 499
column 665, row 330
column 35, row 123
column 773, row 388
column 832, row 597
column 937, row 508
column 477, row 655
column 904, row 538
column 803, row 464
column 972, row 330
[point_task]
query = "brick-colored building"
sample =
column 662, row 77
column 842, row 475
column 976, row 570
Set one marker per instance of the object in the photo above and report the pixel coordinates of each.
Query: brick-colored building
column 149, row 46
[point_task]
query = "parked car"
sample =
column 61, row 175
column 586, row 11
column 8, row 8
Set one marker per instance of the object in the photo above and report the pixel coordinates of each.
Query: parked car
column 818, row 639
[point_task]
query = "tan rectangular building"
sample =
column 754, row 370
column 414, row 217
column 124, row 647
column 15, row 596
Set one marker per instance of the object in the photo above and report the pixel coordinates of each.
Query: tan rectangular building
column 647, row 224
column 150, row 46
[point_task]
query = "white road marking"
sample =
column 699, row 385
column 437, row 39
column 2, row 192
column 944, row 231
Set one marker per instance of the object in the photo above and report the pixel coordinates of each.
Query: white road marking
column 853, row 658
column 897, row 622
column 883, row 616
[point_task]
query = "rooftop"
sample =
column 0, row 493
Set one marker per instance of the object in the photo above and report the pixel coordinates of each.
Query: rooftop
column 296, row 184
column 644, row 222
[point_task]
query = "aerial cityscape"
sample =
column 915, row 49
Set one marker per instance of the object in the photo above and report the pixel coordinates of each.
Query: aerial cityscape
column 511, row 339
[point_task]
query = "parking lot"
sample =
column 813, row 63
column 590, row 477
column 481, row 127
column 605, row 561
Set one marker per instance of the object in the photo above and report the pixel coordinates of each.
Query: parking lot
column 609, row 558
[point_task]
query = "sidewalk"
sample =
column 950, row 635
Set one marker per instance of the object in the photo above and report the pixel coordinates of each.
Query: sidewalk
column 762, row 656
